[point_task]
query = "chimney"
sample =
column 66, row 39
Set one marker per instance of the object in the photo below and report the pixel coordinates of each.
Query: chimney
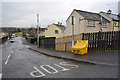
column 119, row 14
column 59, row 23
column 109, row 11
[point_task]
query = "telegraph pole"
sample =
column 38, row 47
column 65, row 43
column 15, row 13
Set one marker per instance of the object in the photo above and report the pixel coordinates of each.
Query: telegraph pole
column 72, row 30
column 38, row 32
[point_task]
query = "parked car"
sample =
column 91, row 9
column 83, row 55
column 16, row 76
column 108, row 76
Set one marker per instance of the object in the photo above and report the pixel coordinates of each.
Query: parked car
column 12, row 41
column 12, row 36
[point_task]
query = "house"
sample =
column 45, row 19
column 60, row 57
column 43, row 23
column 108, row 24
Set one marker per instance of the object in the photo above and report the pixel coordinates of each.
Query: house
column 42, row 31
column 113, row 18
column 55, row 30
column 86, row 22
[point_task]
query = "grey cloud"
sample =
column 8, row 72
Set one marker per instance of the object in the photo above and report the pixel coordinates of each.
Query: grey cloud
column 24, row 13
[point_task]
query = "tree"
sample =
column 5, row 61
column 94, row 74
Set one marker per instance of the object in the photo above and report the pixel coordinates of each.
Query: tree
column 19, row 30
column 32, row 31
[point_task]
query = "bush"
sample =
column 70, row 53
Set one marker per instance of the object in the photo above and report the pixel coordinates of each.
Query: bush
column 4, row 39
column 31, row 37
column 18, row 34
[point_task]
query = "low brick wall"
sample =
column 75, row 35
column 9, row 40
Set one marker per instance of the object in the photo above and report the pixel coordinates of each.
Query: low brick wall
column 65, row 43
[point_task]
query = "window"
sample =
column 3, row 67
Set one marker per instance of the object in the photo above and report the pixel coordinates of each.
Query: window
column 91, row 23
column 104, row 24
column 116, row 24
column 56, row 31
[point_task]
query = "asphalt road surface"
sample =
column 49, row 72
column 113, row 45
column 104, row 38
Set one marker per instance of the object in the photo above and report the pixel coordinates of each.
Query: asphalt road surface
column 20, row 62
column 0, row 61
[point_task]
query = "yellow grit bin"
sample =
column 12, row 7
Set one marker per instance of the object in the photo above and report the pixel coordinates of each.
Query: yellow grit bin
column 80, row 47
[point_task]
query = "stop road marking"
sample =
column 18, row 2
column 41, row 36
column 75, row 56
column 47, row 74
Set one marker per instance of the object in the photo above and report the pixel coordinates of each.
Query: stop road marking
column 54, row 71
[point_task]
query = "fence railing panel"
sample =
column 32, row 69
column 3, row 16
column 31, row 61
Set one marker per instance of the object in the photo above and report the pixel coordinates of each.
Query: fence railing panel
column 103, row 40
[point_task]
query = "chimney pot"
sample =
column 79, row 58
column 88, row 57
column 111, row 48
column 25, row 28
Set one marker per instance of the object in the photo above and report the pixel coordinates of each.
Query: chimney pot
column 59, row 23
column 119, row 14
column 109, row 11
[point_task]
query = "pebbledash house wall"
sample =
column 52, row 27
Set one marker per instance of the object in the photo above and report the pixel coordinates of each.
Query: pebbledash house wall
column 50, row 32
column 77, row 25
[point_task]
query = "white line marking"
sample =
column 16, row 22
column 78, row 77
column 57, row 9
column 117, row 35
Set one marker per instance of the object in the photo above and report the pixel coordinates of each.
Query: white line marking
column 0, row 76
column 7, row 59
column 55, row 71
column 27, row 46
column 36, row 71
column 12, row 51
column 9, row 56
column 63, row 69
column 71, row 65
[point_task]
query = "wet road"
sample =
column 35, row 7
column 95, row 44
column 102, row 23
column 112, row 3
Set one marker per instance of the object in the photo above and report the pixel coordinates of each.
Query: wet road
column 20, row 62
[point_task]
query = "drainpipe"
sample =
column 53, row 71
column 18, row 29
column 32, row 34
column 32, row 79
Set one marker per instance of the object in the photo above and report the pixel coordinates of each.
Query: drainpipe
column 72, row 31
column 113, row 26
column 101, row 24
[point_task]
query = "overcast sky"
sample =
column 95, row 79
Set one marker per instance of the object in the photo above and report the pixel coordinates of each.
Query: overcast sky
column 21, row 13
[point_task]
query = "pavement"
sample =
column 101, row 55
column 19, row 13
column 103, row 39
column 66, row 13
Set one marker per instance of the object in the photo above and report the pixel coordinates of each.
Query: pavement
column 98, row 58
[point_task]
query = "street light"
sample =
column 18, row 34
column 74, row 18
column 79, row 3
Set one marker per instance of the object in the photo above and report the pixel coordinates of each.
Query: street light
column 38, row 32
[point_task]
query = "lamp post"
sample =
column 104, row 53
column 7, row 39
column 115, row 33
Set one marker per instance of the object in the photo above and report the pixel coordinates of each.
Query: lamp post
column 72, row 30
column 38, row 32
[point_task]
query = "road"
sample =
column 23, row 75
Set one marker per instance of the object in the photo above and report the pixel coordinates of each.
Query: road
column 20, row 62
column 0, row 61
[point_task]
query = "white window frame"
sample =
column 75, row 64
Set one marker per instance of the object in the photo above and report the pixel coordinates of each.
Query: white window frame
column 104, row 25
column 56, row 30
column 116, row 24
column 91, row 23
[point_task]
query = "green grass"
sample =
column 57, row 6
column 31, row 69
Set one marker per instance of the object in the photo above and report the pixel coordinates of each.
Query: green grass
column 45, row 37
column 18, row 34
column 94, row 51
column 112, row 51
column 31, row 37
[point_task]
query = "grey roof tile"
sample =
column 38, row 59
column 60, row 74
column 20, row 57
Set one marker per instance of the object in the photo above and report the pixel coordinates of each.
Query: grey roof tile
column 62, row 27
column 113, row 16
column 91, row 15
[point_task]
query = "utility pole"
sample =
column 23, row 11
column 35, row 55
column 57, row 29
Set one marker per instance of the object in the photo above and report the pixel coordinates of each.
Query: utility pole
column 72, row 31
column 38, row 32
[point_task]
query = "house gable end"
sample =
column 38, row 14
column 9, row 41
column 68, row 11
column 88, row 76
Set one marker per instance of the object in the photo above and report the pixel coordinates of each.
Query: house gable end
column 72, row 13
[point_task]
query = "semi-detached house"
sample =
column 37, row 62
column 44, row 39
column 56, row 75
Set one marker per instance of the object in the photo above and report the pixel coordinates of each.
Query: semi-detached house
column 87, row 22
column 55, row 30
column 114, row 19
